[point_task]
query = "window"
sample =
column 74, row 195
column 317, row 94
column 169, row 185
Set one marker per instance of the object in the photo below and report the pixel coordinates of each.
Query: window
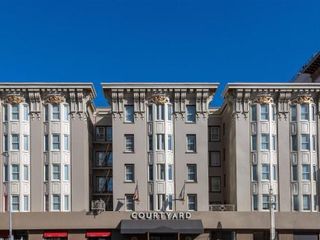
column 170, row 172
column 129, row 202
column 101, row 184
column 161, row 172
column 46, row 202
column 161, row 202
column 26, row 203
column 150, row 172
column 25, row 142
column 66, row 202
column 293, row 110
column 255, row 202
column 55, row 142
column 170, row 112
column 109, row 134
column 295, row 202
column 265, row 172
column 46, row 143
column 15, row 144
column 5, row 143
column 215, row 184
column 314, row 172
column 305, row 142
column 294, row 173
column 254, row 142
column 275, row 172
column 214, row 134
column 5, row 172
column 150, row 113
column 215, row 159
column 160, row 141
column 46, row 172
column 129, row 113
column 66, row 112
column 304, row 111
column 46, row 113
column 315, row 202
column 160, row 112
column 192, row 172
column 25, row 112
column 314, row 112
column 253, row 113
column 15, row 172
column 56, row 202
column 305, row 172
column 100, row 133
column 25, row 172
column 103, row 159
column 170, row 143
column 129, row 172
column 66, row 142
column 191, row 143
column 55, row 112
column 170, row 200
column 191, row 113
column 150, row 143
column 66, row 172
column 264, row 108
column 5, row 113
column 265, row 201
column 314, row 142
column 306, row 202
column 129, row 142
column 151, row 206
column 254, row 173
column 55, row 172
column 294, row 143
column 15, row 203
column 15, row 112
column 265, row 142
column 192, row 202
column 274, row 113
column 274, row 142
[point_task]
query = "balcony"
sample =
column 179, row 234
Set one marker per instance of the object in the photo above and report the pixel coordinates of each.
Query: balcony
column 222, row 207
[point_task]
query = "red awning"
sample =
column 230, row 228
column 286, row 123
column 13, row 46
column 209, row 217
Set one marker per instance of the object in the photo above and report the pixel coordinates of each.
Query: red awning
column 93, row 234
column 55, row 234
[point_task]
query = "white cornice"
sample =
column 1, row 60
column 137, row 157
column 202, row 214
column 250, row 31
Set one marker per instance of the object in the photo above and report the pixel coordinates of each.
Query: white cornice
column 143, row 85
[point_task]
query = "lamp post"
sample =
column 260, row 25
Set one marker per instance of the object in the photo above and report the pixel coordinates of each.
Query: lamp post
column 272, row 216
column 9, row 196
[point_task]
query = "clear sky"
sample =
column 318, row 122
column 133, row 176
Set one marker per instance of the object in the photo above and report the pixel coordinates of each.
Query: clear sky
column 156, row 40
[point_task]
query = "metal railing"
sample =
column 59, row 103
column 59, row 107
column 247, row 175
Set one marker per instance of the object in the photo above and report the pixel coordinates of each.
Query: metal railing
column 222, row 207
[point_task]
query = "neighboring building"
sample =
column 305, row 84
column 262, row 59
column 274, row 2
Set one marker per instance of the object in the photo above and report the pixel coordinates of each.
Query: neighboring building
column 310, row 72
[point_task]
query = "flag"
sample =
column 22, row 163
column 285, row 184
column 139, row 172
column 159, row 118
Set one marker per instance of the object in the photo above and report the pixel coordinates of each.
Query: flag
column 182, row 192
column 136, row 193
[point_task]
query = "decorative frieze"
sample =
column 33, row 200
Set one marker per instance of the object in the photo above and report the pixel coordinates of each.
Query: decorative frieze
column 302, row 99
column 14, row 99
column 264, row 99
column 54, row 99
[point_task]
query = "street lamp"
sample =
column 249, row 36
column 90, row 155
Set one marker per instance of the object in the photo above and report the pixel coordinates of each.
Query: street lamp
column 272, row 215
column 6, row 154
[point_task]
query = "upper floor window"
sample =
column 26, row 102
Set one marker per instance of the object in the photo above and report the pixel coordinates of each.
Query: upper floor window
column 150, row 172
column 160, row 112
column 314, row 142
column 55, row 112
column 55, row 141
column 26, row 112
column 66, row 142
column 294, row 143
column 191, row 113
column 46, row 113
column 160, row 142
column 170, row 202
column 305, row 142
column 306, row 202
column 265, row 172
column 215, row 184
column 274, row 112
column 215, row 159
column 265, row 144
column 192, row 172
column 306, row 172
column 15, row 203
column 170, row 172
column 56, row 172
column 104, row 134
column 150, row 143
column 103, row 159
column 129, row 202
column 274, row 142
column 191, row 143
column 25, row 142
column 214, row 134
column 25, row 203
column 265, row 201
column 5, row 113
column 66, row 112
column 295, row 202
column 170, row 112
column 192, row 202
column 66, row 172
column 56, row 202
column 15, row 112
column 314, row 112
column 253, row 113
column 254, row 173
column 129, row 172
column 264, row 108
column 129, row 142
column 15, row 172
column 161, row 172
column 254, row 142
column 255, row 202
column 170, row 142
column 46, row 143
column 293, row 113
column 5, row 143
column 66, row 202
column 150, row 113
column 294, row 173
column 129, row 113
column 304, row 111
column 15, row 142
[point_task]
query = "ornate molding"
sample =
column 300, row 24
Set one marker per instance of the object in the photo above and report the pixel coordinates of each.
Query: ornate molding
column 14, row 99
column 263, row 100
column 303, row 99
column 54, row 99
column 159, row 99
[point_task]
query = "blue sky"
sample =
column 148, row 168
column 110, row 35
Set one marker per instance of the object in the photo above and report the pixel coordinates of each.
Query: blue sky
column 161, row 41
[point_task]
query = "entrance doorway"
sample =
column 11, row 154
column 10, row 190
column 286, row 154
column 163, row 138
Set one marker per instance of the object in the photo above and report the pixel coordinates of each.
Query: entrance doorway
column 158, row 236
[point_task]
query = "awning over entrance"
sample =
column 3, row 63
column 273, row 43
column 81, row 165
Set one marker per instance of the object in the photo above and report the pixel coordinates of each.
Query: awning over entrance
column 161, row 226
column 55, row 234
column 97, row 234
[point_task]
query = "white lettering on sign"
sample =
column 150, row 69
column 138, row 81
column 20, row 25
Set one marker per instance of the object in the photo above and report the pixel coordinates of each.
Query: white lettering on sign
column 160, row 215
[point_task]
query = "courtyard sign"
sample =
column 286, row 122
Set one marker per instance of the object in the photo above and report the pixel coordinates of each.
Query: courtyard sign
column 160, row 215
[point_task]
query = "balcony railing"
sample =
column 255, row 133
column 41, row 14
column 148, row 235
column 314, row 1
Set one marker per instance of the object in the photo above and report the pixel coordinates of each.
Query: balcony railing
column 222, row 207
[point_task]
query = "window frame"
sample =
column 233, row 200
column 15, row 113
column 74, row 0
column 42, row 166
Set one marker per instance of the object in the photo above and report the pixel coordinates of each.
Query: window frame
column 129, row 147
column 214, row 136
column 126, row 173
column 194, row 202
column 192, row 143
column 191, row 113
column 192, row 176
column 128, row 113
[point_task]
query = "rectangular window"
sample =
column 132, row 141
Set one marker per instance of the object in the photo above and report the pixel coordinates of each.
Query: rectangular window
column 305, row 172
column 101, row 184
column 25, row 112
column 46, row 202
column 150, row 113
column 170, row 142
column 170, row 201
column 293, row 110
column 15, row 142
column 191, row 113
column 170, row 172
column 295, row 202
column 192, row 172
column 315, row 202
column 215, row 159
column 304, row 111
column 214, row 134
column 56, row 112
column 66, row 202
column 294, row 143
column 314, row 112
column 160, row 141
column 46, row 143
column 306, row 202
column 275, row 172
column 129, row 113
column 150, row 172
column 109, row 134
column 66, row 112
column 15, row 112
column 46, row 172
column 129, row 172
column 55, row 141
column 314, row 173
column 56, row 172
column 25, row 142
column 305, row 142
column 5, row 143
column 129, row 202
column 46, row 113
column 215, row 184
column 294, row 173
column 254, row 173
column 274, row 142
column 5, row 172
column 150, row 143
column 314, row 142
column 103, row 159
column 265, row 145
column 25, row 172
column 100, row 133
column 25, row 203
column 56, row 204
column 66, row 142
column 191, row 143
column 253, row 113
column 15, row 203
column 264, row 108
column 170, row 112
column 160, row 112
column 151, row 205
column 265, row 172
column 161, row 202
column 274, row 113
column 129, row 142
column 5, row 113
column 66, row 172
column 161, row 172
column 15, row 172
column 265, row 201
column 192, row 202
column 254, row 142
column 255, row 202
